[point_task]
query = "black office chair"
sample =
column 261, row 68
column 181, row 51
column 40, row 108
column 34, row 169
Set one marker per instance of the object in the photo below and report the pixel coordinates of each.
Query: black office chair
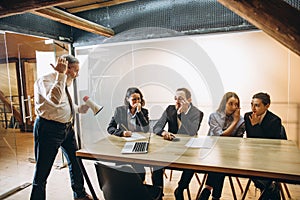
column 123, row 182
column 283, row 135
column 152, row 123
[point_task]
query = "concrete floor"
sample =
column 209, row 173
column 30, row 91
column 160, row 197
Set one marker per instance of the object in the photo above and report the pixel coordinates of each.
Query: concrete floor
column 17, row 168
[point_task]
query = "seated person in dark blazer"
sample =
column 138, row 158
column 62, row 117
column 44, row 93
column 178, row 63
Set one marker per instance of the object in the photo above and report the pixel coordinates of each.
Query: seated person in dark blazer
column 183, row 118
column 261, row 123
column 131, row 117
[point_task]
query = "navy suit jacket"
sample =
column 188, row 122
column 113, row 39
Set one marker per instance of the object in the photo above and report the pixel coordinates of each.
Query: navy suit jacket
column 270, row 127
column 190, row 121
column 119, row 120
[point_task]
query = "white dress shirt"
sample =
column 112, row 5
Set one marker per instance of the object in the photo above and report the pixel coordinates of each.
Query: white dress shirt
column 51, row 101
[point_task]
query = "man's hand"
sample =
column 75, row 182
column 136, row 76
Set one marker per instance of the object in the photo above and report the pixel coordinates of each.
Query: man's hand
column 61, row 65
column 183, row 106
column 254, row 119
column 168, row 135
column 83, row 109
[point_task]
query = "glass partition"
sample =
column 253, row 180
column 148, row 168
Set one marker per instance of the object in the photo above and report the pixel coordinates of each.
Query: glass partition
column 9, row 115
column 18, row 72
column 208, row 65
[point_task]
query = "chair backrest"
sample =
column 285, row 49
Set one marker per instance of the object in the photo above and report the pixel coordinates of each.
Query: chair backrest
column 120, row 182
column 152, row 122
column 283, row 133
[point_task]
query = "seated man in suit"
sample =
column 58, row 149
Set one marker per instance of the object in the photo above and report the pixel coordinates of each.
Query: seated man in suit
column 183, row 118
column 261, row 123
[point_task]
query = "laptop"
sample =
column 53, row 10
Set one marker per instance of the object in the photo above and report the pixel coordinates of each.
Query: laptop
column 136, row 147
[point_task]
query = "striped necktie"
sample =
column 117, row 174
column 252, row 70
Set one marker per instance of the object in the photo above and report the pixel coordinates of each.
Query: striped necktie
column 179, row 121
column 71, row 105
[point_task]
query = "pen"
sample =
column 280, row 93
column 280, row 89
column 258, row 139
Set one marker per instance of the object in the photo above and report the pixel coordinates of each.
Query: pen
column 124, row 127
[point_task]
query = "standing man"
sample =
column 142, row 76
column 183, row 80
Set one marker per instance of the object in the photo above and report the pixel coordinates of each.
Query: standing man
column 53, row 127
column 183, row 118
column 261, row 123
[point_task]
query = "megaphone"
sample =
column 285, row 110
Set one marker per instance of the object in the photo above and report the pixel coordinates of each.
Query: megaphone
column 90, row 103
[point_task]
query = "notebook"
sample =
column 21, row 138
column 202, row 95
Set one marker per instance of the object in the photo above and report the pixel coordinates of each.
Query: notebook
column 136, row 147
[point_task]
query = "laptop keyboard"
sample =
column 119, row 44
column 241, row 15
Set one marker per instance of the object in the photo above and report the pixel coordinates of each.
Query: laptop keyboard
column 140, row 146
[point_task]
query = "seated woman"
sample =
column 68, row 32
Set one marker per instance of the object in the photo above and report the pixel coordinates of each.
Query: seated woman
column 226, row 121
column 131, row 117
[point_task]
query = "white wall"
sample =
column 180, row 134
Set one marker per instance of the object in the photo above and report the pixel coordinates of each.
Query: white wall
column 209, row 65
column 250, row 62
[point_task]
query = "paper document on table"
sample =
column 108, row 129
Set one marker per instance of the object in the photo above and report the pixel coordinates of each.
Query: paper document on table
column 134, row 136
column 201, row 142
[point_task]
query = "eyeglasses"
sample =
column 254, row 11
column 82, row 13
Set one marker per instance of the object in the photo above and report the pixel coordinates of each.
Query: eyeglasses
column 178, row 98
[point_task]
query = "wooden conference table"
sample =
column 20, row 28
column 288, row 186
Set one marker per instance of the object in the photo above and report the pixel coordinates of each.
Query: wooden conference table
column 276, row 159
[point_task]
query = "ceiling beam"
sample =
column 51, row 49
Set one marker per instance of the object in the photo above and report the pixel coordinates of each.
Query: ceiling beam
column 275, row 17
column 73, row 20
column 97, row 5
column 13, row 7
